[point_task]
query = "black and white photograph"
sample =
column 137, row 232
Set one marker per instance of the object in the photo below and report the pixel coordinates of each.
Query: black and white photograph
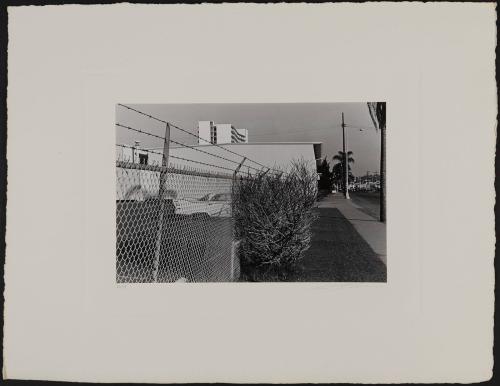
column 207, row 193
column 290, row 192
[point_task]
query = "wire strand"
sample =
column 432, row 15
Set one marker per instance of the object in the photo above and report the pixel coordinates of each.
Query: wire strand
column 184, row 145
column 194, row 135
column 175, row 157
column 139, row 131
column 213, row 155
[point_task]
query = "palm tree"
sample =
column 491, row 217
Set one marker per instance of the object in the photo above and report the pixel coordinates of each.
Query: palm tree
column 339, row 169
column 378, row 114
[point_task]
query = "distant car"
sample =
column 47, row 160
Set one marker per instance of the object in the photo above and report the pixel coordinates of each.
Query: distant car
column 216, row 204
column 210, row 205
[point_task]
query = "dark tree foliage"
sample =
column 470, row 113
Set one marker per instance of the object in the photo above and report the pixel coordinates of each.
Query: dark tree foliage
column 338, row 168
column 326, row 175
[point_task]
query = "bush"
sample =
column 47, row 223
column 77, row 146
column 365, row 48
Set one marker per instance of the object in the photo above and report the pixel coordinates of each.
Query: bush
column 273, row 216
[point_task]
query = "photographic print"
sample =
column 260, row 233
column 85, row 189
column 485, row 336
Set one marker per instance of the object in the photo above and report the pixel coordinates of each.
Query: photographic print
column 206, row 193
column 269, row 192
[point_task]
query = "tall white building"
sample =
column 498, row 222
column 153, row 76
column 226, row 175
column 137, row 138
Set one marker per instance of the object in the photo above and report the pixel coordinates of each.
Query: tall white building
column 219, row 133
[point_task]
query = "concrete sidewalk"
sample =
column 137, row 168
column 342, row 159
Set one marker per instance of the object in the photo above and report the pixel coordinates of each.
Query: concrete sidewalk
column 370, row 229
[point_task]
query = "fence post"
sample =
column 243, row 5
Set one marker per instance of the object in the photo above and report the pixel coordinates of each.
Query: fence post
column 161, row 193
column 233, row 242
column 234, row 183
column 239, row 166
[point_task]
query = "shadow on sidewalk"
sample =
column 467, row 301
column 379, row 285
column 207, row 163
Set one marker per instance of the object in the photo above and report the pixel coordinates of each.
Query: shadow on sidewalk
column 338, row 253
column 349, row 218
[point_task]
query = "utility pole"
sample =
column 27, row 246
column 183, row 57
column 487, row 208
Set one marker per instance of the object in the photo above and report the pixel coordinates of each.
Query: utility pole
column 346, row 160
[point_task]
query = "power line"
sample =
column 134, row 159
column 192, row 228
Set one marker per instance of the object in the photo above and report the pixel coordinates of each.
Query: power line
column 193, row 135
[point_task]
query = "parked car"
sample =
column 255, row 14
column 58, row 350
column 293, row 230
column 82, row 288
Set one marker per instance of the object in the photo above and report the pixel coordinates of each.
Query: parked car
column 215, row 204
column 210, row 205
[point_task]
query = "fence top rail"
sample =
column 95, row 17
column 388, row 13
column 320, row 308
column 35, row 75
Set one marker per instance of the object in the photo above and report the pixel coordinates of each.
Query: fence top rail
column 173, row 170
column 174, row 157
column 183, row 145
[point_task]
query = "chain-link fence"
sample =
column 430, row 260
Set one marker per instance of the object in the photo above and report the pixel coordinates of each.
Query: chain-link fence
column 174, row 224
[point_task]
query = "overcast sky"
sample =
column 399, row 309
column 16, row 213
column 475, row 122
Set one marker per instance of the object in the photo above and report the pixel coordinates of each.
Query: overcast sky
column 266, row 122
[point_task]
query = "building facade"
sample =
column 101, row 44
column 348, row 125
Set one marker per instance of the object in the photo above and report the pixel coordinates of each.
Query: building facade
column 277, row 155
column 220, row 133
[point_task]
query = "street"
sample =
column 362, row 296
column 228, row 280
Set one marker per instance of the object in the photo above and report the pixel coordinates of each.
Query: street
column 368, row 202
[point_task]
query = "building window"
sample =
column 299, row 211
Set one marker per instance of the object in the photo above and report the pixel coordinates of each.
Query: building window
column 143, row 159
column 236, row 136
column 213, row 134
